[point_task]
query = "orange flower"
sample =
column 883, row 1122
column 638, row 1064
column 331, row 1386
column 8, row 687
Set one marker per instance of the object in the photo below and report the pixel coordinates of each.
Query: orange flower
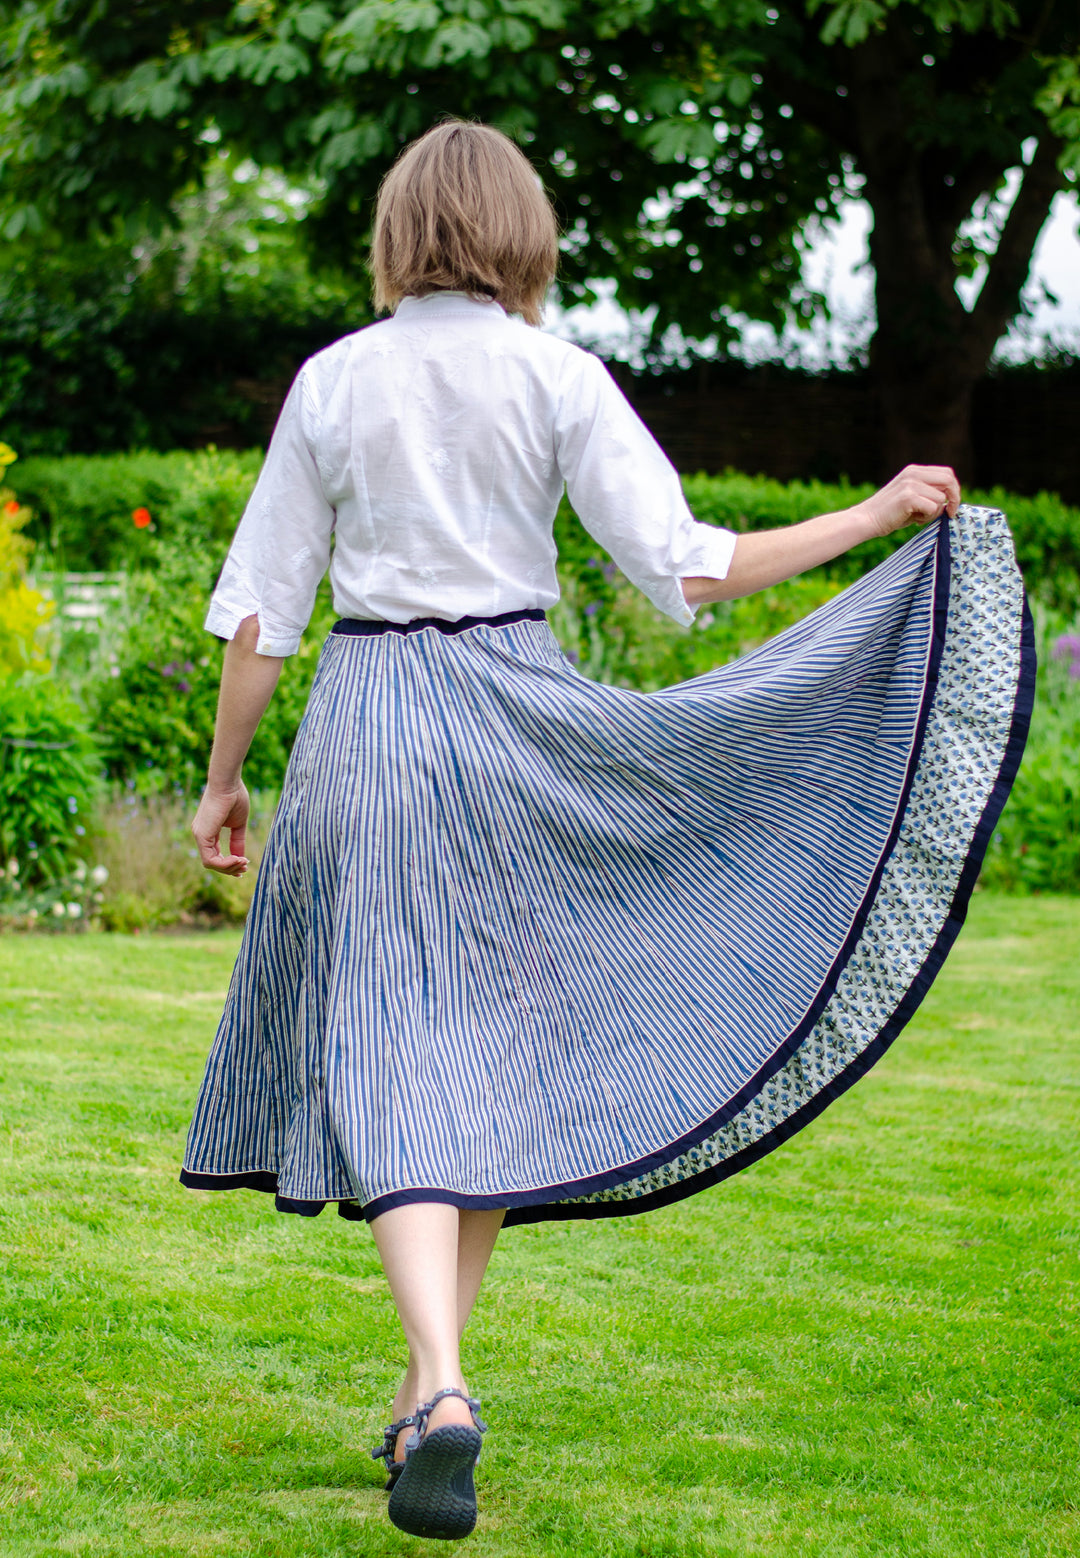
column 141, row 518
column 11, row 508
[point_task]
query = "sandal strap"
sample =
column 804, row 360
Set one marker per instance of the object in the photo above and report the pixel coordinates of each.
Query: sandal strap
column 425, row 1409
column 386, row 1451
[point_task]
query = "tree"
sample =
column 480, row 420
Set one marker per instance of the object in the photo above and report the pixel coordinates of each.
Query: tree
column 687, row 141
column 180, row 338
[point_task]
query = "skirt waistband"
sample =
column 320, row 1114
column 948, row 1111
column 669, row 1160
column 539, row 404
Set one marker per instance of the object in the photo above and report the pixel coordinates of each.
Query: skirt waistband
column 364, row 627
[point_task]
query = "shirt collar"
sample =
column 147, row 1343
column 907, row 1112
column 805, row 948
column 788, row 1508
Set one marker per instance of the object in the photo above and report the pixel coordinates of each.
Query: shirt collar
column 447, row 303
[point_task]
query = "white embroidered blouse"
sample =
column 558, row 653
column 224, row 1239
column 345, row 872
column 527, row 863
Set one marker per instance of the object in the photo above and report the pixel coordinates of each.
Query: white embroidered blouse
column 433, row 447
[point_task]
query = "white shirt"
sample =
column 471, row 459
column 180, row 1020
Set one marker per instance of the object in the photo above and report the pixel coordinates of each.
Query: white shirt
column 434, row 447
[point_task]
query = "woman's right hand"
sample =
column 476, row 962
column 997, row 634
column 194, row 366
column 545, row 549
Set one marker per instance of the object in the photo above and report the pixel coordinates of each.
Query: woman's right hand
column 221, row 809
column 917, row 495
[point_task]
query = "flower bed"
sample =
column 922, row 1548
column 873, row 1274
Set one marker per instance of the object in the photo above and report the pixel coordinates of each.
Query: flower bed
column 101, row 759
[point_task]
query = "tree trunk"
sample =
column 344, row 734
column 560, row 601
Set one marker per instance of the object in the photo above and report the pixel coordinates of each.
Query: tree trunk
column 923, row 360
column 925, row 415
column 929, row 351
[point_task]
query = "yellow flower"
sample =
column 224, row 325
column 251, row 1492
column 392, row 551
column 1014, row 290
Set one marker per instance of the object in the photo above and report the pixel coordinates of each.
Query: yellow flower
column 7, row 455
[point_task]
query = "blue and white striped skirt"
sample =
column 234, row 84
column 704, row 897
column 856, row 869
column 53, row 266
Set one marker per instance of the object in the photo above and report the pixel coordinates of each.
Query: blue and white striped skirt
column 519, row 940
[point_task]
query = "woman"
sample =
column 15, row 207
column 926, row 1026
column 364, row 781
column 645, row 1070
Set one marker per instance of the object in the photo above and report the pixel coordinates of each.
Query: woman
column 526, row 947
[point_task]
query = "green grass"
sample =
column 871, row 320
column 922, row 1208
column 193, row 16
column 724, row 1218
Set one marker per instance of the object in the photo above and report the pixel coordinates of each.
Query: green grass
column 867, row 1344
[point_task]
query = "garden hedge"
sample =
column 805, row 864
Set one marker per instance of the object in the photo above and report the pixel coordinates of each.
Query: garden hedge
column 147, row 680
column 83, row 506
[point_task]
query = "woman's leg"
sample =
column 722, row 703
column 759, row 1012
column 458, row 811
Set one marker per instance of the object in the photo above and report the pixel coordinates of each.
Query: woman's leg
column 476, row 1237
column 477, row 1232
column 434, row 1258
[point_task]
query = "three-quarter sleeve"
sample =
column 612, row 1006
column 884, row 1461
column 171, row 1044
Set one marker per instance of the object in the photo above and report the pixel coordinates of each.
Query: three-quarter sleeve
column 627, row 493
column 282, row 545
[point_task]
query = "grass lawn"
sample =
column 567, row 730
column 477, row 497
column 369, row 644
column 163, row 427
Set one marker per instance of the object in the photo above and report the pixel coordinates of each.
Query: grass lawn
column 866, row 1344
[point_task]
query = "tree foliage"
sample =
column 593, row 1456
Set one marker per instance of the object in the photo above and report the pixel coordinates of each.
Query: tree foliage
column 687, row 141
column 177, row 338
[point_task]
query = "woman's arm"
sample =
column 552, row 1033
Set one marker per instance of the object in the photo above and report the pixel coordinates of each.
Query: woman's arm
column 765, row 557
column 247, row 682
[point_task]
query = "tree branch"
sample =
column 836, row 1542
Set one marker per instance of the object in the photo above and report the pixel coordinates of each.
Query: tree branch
column 1008, row 269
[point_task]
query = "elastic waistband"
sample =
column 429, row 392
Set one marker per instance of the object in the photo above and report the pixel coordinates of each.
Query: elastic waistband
column 365, row 627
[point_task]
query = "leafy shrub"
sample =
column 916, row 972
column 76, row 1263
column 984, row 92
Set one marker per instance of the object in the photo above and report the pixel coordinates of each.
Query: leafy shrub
column 49, row 775
column 84, row 505
column 150, row 677
column 103, row 346
column 1046, row 531
column 24, row 612
column 154, row 713
column 152, row 873
column 70, row 902
column 614, row 635
column 1037, row 843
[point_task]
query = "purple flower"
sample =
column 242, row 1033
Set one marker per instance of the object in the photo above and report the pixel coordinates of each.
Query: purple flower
column 187, row 667
column 573, row 656
column 184, row 686
column 594, row 562
column 1067, row 647
column 592, row 608
column 170, row 669
column 610, row 570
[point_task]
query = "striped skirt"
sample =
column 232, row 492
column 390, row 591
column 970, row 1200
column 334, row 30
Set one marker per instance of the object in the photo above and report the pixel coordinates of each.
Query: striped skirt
column 519, row 940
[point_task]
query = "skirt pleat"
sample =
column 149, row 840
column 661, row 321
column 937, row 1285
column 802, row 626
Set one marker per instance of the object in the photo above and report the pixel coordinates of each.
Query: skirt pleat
column 522, row 940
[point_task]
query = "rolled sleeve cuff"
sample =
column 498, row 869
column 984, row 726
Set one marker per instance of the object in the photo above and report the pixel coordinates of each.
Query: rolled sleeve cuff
column 224, row 618
column 707, row 556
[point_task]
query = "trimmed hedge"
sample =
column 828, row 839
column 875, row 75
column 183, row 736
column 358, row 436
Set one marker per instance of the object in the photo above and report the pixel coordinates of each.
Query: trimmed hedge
column 83, row 506
column 83, row 503
column 149, row 688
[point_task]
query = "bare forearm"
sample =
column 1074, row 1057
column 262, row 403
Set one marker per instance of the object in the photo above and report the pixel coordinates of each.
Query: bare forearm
column 916, row 495
column 247, row 684
column 767, row 557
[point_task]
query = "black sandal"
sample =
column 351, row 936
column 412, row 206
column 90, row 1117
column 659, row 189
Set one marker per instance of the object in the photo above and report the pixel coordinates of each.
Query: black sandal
column 433, row 1495
column 388, row 1449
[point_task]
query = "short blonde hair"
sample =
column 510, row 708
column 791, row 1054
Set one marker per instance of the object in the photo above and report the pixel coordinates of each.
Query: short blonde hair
column 462, row 210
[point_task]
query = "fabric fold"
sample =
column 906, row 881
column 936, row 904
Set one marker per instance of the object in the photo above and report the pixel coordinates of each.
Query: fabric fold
column 579, row 951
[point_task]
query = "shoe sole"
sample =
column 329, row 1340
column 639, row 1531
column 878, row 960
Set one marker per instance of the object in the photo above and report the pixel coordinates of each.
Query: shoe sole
column 435, row 1496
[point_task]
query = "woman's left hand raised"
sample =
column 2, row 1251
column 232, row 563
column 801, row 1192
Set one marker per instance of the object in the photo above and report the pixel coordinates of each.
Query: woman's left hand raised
column 920, row 493
column 220, row 809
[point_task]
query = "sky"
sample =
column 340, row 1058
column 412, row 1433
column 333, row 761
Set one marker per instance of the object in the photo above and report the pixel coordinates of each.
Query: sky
column 836, row 262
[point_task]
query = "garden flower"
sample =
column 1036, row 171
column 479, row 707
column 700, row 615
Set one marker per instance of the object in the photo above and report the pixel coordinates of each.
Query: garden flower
column 1067, row 647
column 99, row 875
column 74, row 910
column 141, row 518
column 13, row 867
column 11, row 508
column 80, row 870
column 183, row 686
column 58, row 909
